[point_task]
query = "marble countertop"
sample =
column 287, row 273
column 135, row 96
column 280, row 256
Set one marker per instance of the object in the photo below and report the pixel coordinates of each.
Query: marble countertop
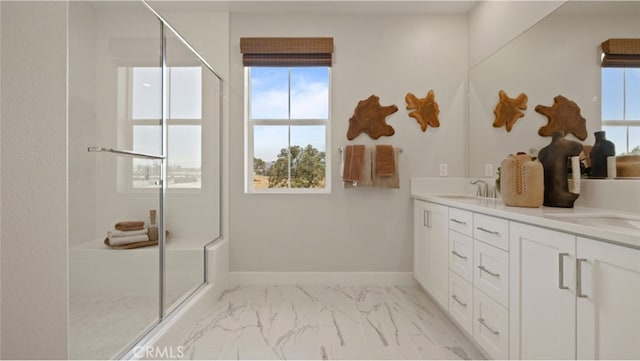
column 606, row 225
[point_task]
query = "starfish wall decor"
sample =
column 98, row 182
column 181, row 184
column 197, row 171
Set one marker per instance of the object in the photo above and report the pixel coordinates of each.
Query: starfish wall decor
column 509, row 110
column 563, row 115
column 369, row 117
column 426, row 110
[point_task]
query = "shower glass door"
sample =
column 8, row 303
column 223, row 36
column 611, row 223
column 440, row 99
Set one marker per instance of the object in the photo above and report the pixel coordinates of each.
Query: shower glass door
column 192, row 196
column 115, row 102
column 148, row 109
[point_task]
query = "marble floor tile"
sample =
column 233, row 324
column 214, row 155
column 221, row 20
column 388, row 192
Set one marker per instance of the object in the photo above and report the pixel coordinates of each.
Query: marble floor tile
column 326, row 322
column 369, row 293
column 336, row 293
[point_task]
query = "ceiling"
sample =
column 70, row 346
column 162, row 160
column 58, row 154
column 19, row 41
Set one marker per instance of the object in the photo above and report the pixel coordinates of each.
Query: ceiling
column 326, row 6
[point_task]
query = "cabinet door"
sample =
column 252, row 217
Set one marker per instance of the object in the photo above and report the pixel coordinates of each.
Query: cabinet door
column 431, row 249
column 542, row 293
column 420, row 236
column 438, row 255
column 608, row 301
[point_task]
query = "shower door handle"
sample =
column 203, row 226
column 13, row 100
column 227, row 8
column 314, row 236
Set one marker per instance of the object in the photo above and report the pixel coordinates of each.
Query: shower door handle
column 124, row 152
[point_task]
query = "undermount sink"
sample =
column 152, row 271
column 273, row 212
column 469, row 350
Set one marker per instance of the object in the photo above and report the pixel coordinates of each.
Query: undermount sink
column 601, row 220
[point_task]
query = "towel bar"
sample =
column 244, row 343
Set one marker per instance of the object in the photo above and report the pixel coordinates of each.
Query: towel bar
column 399, row 149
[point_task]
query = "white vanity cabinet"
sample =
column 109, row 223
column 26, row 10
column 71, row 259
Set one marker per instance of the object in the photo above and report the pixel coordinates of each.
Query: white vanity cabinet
column 608, row 301
column 431, row 249
column 572, row 297
column 542, row 297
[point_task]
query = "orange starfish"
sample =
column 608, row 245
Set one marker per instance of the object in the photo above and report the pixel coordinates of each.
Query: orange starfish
column 507, row 110
column 563, row 115
column 426, row 110
column 369, row 117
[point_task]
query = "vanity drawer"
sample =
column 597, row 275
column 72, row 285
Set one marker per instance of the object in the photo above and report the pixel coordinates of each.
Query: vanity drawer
column 461, row 221
column 461, row 255
column 461, row 301
column 491, row 271
column 490, row 326
column 492, row 230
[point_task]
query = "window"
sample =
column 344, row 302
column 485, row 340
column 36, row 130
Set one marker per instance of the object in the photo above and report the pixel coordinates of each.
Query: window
column 287, row 128
column 184, row 124
column 287, row 104
column 621, row 108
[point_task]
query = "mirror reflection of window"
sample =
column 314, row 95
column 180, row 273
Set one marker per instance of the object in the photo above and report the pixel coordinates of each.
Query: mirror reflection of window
column 621, row 108
column 184, row 123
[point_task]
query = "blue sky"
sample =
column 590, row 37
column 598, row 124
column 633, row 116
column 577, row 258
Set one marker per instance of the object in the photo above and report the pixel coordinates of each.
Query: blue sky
column 270, row 100
column 621, row 101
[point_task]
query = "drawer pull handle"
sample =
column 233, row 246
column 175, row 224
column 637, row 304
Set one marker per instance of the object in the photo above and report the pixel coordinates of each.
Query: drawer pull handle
column 458, row 255
column 459, row 222
column 561, row 271
column 481, row 320
column 488, row 231
column 455, row 298
column 497, row 275
column 579, row 277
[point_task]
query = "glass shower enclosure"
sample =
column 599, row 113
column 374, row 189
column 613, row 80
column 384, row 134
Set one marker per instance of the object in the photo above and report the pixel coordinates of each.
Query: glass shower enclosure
column 143, row 138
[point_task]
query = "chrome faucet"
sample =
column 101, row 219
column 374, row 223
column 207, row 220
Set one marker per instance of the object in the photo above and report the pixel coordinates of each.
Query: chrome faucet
column 481, row 191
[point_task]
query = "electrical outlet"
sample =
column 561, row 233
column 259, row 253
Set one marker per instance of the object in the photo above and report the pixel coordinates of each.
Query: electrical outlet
column 443, row 170
column 488, row 170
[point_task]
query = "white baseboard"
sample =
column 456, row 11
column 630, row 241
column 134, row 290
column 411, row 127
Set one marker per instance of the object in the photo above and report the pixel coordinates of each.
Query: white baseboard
column 338, row 278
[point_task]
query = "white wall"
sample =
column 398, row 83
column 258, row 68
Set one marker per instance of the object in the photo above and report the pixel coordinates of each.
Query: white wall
column 558, row 56
column 353, row 230
column 82, row 122
column 34, row 180
column 0, row 183
column 492, row 24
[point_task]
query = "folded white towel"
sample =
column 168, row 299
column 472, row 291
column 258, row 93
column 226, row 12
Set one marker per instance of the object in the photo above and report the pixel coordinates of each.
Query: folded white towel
column 116, row 233
column 121, row 241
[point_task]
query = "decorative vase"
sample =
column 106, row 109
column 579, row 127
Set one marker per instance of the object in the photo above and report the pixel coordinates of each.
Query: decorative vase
column 523, row 181
column 602, row 149
column 554, row 158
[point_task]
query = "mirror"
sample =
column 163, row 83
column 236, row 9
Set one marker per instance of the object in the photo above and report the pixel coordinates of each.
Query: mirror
column 560, row 55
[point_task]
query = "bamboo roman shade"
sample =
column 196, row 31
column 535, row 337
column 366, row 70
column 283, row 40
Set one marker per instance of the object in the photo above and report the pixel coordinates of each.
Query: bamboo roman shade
column 621, row 53
column 286, row 51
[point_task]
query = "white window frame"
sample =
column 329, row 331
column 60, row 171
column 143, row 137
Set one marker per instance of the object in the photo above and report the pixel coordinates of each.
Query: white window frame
column 131, row 123
column 249, row 146
column 624, row 122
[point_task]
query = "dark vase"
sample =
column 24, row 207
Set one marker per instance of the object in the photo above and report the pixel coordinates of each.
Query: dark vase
column 554, row 158
column 602, row 149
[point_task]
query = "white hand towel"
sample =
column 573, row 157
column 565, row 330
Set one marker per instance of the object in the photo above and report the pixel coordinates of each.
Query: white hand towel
column 116, row 233
column 120, row 241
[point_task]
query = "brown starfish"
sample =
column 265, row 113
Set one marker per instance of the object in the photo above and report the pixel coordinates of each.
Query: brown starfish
column 426, row 110
column 369, row 117
column 508, row 110
column 563, row 115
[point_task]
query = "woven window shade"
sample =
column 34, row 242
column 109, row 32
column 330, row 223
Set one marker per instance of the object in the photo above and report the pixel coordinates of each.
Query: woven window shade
column 286, row 51
column 621, row 53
